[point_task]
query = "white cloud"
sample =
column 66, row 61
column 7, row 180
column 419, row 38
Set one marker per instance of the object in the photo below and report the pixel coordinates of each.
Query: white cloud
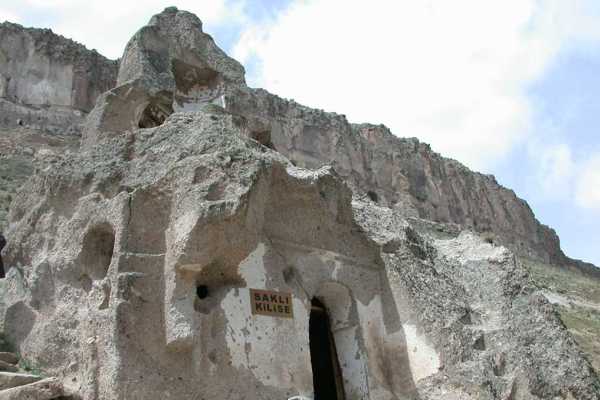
column 563, row 177
column 107, row 25
column 453, row 74
column 6, row 15
column 556, row 170
column 587, row 192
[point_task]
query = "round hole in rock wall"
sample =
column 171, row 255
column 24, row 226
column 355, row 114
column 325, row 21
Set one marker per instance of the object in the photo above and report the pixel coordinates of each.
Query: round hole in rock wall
column 202, row 291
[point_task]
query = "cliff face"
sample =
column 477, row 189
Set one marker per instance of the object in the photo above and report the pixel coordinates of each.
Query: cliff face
column 48, row 81
column 401, row 173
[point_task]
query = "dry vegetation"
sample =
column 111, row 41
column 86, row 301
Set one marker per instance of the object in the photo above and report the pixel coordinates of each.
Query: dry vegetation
column 577, row 297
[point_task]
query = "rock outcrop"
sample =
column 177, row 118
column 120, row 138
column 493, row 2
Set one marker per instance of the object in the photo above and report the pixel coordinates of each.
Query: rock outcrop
column 133, row 264
column 169, row 65
column 47, row 81
column 20, row 385
column 47, row 389
column 24, row 150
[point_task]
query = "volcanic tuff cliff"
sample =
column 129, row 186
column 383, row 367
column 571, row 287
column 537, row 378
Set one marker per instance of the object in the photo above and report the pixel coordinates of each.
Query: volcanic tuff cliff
column 48, row 84
column 185, row 175
column 48, row 81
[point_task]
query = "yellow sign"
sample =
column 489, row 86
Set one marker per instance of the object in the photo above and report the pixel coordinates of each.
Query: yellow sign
column 274, row 304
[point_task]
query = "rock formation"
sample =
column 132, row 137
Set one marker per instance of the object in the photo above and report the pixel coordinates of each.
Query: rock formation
column 169, row 65
column 133, row 265
column 47, row 81
column 24, row 150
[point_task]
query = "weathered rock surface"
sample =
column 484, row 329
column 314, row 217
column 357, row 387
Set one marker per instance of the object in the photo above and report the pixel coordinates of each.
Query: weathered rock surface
column 10, row 380
column 46, row 389
column 169, row 65
column 22, row 151
column 47, row 81
column 109, row 248
column 161, row 210
column 497, row 335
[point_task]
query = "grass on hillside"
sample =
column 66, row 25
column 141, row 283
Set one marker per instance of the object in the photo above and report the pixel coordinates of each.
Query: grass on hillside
column 564, row 281
column 582, row 320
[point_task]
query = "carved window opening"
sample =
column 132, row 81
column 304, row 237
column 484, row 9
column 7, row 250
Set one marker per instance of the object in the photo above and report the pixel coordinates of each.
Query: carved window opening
column 188, row 77
column 2, row 244
column 97, row 251
column 195, row 84
column 327, row 376
column 155, row 113
column 202, row 291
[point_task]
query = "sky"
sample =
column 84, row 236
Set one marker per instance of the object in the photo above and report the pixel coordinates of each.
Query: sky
column 510, row 88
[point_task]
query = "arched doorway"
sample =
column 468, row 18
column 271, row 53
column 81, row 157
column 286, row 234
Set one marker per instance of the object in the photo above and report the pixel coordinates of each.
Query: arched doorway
column 327, row 376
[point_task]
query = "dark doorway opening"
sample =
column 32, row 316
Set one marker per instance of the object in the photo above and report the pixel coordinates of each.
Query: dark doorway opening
column 327, row 377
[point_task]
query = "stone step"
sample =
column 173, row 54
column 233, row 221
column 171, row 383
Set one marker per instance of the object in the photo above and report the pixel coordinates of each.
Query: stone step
column 9, row 380
column 10, row 358
column 46, row 389
column 4, row 366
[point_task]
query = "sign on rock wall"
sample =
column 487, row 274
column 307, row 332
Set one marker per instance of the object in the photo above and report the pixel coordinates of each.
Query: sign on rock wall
column 273, row 304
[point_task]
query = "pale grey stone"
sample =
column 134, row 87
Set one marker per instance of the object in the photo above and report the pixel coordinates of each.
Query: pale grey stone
column 48, row 82
column 9, row 380
column 46, row 389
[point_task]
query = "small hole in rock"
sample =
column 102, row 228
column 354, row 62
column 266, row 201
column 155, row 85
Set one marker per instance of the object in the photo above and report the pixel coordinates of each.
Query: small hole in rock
column 154, row 115
column 202, row 291
column 373, row 196
column 479, row 343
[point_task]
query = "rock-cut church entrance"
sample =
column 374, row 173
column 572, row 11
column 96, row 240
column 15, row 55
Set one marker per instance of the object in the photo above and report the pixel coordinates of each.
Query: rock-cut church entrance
column 327, row 376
